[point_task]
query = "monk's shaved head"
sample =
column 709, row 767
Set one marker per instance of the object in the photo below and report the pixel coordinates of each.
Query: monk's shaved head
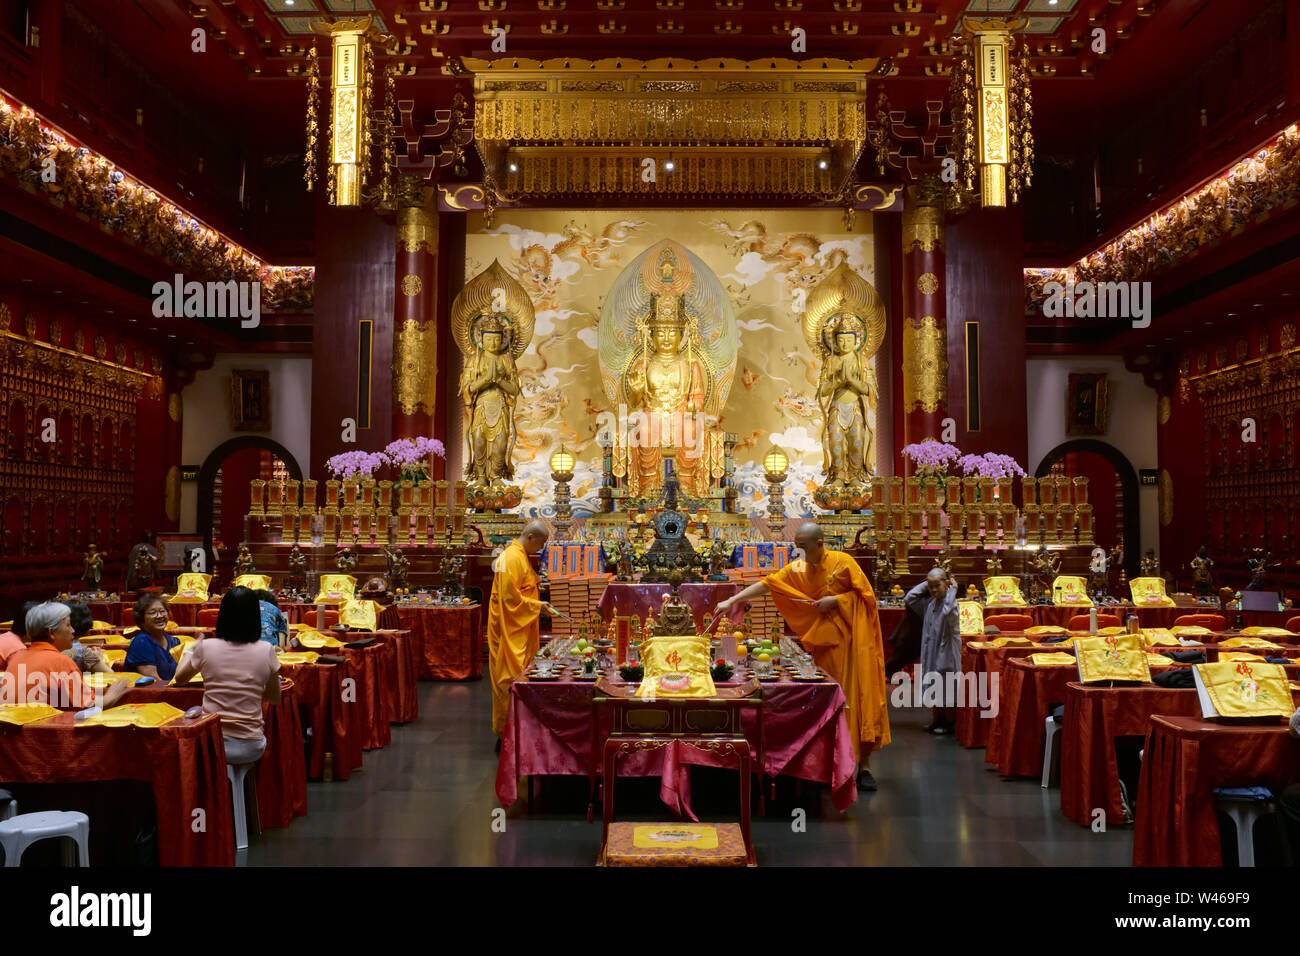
column 534, row 536
column 937, row 574
column 810, row 531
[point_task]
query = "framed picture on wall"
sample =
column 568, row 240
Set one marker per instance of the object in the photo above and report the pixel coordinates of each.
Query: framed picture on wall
column 1086, row 409
column 250, row 400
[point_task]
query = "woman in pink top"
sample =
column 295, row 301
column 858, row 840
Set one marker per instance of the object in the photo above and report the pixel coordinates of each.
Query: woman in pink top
column 239, row 672
column 14, row 640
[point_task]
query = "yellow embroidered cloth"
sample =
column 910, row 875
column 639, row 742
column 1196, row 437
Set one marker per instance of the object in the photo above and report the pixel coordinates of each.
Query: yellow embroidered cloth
column 317, row 639
column 696, row 836
column 27, row 713
column 192, row 588
column 298, row 657
column 1045, row 629
column 101, row 679
column 1258, row 642
column 1267, row 631
column 1070, row 590
column 1149, row 592
column 1159, row 636
column 1246, row 688
column 1157, row 659
column 676, row 667
column 1114, row 657
column 258, row 582
column 135, row 715
column 335, row 588
column 1004, row 591
column 1052, row 660
column 970, row 617
column 358, row 613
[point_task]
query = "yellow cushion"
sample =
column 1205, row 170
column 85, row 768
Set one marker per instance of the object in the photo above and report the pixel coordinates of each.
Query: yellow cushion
column 336, row 588
column 1258, row 642
column 135, row 715
column 358, row 613
column 1046, row 629
column 1115, row 657
column 676, row 667
column 1051, row 660
column 1070, row 590
column 971, row 617
column 258, row 582
column 27, row 713
column 1267, row 631
column 192, row 588
column 1003, row 591
column 1149, row 592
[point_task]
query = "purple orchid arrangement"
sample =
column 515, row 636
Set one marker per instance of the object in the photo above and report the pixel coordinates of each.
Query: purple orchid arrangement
column 932, row 457
column 409, row 455
column 990, row 465
column 355, row 464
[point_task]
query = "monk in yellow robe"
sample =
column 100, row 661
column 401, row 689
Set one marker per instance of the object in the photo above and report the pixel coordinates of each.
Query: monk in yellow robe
column 513, row 610
column 828, row 602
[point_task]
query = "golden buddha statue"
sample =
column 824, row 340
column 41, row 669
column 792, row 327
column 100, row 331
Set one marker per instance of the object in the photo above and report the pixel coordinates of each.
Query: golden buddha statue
column 667, row 357
column 844, row 323
column 492, row 321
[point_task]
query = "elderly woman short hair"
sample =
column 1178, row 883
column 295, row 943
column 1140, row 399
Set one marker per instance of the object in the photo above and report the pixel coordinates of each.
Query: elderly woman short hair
column 44, row 673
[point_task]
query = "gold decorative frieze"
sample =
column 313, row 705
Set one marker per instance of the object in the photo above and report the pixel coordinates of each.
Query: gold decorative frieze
column 925, row 366
column 415, row 367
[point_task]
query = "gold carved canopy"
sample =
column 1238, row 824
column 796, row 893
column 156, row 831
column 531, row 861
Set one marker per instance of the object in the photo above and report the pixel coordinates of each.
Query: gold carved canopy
column 583, row 127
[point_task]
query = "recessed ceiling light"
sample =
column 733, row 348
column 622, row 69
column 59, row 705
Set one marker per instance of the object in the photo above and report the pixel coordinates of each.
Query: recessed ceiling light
column 822, row 164
column 514, row 168
column 670, row 165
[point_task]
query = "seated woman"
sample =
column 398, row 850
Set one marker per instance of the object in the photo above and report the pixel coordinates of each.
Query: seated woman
column 150, row 650
column 88, row 659
column 42, row 673
column 275, row 626
column 15, row 639
column 239, row 672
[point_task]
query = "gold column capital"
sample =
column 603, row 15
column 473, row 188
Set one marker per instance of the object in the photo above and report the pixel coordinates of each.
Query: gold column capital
column 417, row 227
column 923, row 215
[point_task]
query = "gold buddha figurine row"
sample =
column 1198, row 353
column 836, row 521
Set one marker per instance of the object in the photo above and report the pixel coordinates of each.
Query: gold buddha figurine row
column 362, row 511
column 971, row 512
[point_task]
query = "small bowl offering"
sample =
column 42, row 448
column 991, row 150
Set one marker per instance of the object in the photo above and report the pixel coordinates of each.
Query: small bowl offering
column 722, row 671
column 632, row 673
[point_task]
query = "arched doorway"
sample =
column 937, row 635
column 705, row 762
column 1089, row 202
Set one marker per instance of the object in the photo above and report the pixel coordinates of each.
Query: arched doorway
column 1112, row 492
column 223, row 487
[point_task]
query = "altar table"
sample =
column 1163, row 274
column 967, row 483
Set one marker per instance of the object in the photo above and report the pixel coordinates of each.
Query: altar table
column 1186, row 759
column 184, row 761
column 805, row 735
column 450, row 639
column 282, row 771
column 626, row 599
column 335, row 725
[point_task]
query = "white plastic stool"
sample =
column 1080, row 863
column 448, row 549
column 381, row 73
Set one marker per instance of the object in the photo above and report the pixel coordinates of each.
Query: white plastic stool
column 20, row 832
column 1050, row 751
column 237, row 773
column 1244, row 813
column 8, row 805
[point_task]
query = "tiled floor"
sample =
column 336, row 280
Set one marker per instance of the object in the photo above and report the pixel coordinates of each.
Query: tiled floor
column 428, row 799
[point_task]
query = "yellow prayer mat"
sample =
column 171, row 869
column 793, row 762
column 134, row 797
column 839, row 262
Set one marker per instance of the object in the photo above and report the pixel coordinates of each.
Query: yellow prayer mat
column 655, row 836
column 1154, row 660
column 1189, row 630
column 102, row 626
column 1239, row 656
column 1045, row 629
column 172, row 626
column 1159, row 636
column 27, row 713
column 1243, row 689
column 135, row 715
column 258, row 582
column 1006, row 641
column 358, row 613
column 100, row 679
column 300, row 626
column 1111, row 630
column 1052, row 660
column 970, row 617
column 298, row 657
column 1070, row 591
column 1258, row 642
column 1117, row 657
column 114, row 656
column 1149, row 592
column 335, row 588
column 317, row 639
column 1267, row 631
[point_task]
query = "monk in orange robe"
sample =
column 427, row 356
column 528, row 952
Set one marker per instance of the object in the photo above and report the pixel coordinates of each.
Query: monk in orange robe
column 513, row 611
column 828, row 602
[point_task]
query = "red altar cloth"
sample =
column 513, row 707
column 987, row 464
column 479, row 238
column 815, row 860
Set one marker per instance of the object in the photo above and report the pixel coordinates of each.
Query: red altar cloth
column 185, row 761
column 637, row 600
column 1185, row 760
column 403, row 692
column 449, row 639
column 1027, row 694
column 375, row 671
column 972, row 730
column 805, row 735
column 282, row 771
column 335, row 725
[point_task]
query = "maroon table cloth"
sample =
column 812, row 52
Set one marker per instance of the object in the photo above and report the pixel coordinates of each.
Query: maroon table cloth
column 404, row 694
column 1028, row 692
column 805, row 734
column 637, row 600
column 1094, row 717
column 330, row 711
column 282, row 771
column 374, row 670
column 973, row 724
column 1186, row 759
column 450, row 640
column 184, row 761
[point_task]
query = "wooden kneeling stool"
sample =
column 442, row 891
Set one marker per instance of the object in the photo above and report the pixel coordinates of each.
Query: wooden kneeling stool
column 707, row 724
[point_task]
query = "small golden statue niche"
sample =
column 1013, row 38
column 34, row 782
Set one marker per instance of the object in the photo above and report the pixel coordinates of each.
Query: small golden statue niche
column 297, row 580
column 1150, row 564
column 398, row 567
column 675, row 617
column 244, row 561
column 492, row 322
column 886, row 573
column 844, row 324
column 1043, row 570
column 142, row 564
column 345, row 559
column 993, row 566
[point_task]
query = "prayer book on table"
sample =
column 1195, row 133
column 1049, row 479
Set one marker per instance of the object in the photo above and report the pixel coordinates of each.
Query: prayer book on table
column 1242, row 689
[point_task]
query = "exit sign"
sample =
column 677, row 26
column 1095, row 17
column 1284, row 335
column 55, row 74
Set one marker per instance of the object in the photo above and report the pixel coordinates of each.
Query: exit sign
column 1149, row 476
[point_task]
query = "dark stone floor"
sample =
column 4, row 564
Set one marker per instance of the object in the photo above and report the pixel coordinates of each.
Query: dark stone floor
column 428, row 799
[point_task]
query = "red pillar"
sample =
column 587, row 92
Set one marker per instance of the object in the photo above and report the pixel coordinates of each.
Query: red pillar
column 924, row 316
column 415, row 315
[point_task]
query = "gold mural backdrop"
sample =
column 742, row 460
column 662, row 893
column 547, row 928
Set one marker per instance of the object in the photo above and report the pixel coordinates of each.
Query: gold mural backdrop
column 768, row 261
